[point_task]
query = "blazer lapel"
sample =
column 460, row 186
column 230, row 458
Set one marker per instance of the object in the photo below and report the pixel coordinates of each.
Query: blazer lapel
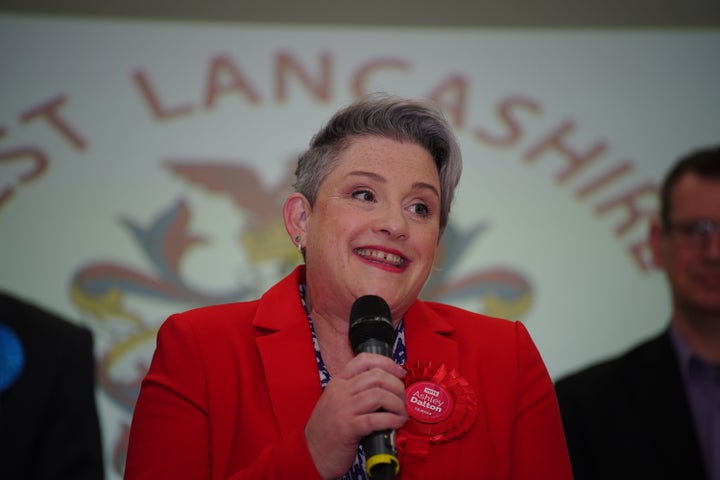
column 287, row 353
column 427, row 338
column 668, row 413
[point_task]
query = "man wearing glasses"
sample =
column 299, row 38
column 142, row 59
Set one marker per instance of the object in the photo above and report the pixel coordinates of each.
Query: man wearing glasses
column 654, row 412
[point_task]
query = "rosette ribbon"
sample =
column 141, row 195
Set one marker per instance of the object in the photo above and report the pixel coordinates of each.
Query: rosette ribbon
column 441, row 406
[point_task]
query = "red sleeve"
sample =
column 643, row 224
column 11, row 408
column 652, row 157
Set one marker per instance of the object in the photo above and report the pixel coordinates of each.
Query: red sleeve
column 539, row 450
column 170, row 435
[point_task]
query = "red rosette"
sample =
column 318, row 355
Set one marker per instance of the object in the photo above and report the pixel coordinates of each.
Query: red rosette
column 441, row 406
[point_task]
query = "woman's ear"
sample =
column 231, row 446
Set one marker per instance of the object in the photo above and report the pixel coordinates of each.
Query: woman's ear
column 295, row 215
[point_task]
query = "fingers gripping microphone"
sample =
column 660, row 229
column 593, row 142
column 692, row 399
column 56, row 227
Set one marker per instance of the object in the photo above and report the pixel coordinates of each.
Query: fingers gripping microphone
column 371, row 331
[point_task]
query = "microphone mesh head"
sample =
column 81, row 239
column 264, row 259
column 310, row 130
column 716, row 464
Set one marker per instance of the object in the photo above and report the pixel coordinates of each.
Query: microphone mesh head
column 370, row 318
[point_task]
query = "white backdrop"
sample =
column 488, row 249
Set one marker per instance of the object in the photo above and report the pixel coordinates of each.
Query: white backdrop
column 142, row 165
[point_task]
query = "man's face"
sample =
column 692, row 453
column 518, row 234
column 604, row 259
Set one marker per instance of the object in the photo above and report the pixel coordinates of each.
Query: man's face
column 690, row 252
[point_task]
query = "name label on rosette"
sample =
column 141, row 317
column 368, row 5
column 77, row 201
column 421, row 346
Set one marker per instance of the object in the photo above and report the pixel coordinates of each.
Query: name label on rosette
column 428, row 402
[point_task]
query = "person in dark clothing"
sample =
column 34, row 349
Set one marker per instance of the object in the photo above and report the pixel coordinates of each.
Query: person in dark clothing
column 654, row 411
column 49, row 427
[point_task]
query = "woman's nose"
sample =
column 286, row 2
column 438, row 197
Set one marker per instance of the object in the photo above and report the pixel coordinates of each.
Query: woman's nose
column 392, row 221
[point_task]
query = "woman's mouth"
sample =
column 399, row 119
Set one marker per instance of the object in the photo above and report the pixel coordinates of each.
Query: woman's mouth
column 380, row 256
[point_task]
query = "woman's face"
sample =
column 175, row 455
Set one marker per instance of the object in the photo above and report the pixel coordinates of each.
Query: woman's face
column 374, row 227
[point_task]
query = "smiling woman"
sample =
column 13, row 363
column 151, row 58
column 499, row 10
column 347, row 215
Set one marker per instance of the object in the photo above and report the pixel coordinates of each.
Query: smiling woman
column 272, row 388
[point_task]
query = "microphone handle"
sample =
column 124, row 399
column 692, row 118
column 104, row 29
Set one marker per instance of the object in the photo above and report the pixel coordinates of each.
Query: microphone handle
column 381, row 462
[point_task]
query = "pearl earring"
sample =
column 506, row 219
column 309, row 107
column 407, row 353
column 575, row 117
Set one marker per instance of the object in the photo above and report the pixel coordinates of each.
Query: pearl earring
column 299, row 245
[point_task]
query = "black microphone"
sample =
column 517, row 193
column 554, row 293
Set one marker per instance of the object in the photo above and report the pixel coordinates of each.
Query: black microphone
column 371, row 331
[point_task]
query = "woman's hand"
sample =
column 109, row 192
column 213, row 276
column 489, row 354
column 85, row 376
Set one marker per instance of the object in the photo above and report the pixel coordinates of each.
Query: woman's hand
column 367, row 395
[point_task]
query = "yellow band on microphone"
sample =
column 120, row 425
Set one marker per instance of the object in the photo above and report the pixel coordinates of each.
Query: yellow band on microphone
column 380, row 458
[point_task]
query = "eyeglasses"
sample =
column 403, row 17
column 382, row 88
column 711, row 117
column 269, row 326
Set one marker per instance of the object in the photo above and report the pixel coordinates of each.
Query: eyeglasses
column 695, row 233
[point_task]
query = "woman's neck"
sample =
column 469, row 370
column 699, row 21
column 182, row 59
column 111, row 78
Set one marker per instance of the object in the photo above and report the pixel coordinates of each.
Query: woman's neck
column 334, row 342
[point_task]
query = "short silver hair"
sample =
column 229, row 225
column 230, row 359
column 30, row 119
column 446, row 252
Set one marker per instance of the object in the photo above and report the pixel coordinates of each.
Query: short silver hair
column 388, row 116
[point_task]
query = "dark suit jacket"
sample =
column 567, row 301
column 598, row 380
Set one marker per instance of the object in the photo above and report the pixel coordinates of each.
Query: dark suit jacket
column 628, row 418
column 231, row 387
column 49, row 426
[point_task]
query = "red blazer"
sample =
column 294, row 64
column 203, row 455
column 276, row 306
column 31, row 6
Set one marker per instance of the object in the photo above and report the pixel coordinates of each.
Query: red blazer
column 230, row 388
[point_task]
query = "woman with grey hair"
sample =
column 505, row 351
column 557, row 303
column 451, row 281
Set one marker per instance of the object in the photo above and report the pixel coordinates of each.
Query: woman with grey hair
column 339, row 370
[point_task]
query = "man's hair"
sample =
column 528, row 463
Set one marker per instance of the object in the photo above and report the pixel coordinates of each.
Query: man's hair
column 704, row 163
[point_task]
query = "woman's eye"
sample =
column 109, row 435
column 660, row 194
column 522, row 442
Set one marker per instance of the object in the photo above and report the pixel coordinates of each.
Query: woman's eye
column 365, row 195
column 420, row 209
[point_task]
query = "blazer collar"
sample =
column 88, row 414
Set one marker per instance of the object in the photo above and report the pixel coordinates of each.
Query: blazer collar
column 428, row 340
column 428, row 336
column 285, row 345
